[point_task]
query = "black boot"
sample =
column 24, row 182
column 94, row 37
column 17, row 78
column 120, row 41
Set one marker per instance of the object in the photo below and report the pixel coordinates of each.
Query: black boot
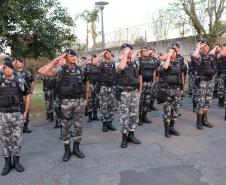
column 77, row 151
column 47, row 116
column 25, row 128
column 51, row 117
column 167, row 130
column 57, row 124
column 95, row 116
column 90, row 117
column 152, row 107
column 105, row 127
column 67, row 153
column 221, row 102
column 7, row 167
column 140, row 119
column 124, row 141
column 145, row 119
column 194, row 106
column 111, row 127
column 132, row 139
column 199, row 124
column 173, row 131
column 205, row 121
column 16, row 164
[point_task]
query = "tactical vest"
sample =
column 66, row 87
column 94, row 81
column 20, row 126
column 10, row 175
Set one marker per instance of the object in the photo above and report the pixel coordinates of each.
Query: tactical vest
column 107, row 73
column 10, row 94
column 221, row 66
column 128, row 77
column 173, row 74
column 93, row 73
column 71, row 83
column 206, row 67
column 147, row 70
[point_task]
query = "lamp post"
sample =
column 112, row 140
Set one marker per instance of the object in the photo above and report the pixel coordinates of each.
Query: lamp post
column 101, row 5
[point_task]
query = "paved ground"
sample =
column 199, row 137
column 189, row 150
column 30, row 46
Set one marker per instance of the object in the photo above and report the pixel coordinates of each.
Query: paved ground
column 194, row 158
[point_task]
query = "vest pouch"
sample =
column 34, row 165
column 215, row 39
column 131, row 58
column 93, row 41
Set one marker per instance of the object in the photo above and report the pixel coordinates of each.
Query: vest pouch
column 67, row 90
column 172, row 79
column 4, row 102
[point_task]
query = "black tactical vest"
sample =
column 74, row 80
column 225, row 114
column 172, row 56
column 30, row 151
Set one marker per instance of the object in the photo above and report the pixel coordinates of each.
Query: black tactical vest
column 107, row 73
column 93, row 73
column 221, row 66
column 71, row 84
column 128, row 77
column 173, row 74
column 206, row 66
column 10, row 94
column 147, row 69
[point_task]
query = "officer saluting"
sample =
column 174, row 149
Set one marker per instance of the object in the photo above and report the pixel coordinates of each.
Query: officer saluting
column 73, row 93
column 12, row 91
column 130, row 83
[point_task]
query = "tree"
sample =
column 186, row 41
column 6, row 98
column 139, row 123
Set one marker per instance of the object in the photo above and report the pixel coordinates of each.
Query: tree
column 91, row 17
column 205, row 17
column 35, row 28
column 161, row 24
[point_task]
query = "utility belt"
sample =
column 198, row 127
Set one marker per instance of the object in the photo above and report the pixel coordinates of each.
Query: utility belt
column 75, row 96
column 107, row 84
column 146, row 83
column 129, row 88
column 10, row 110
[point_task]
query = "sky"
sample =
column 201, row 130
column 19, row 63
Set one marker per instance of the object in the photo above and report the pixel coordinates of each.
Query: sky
column 118, row 14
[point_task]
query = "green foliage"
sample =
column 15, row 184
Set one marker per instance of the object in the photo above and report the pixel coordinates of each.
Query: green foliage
column 35, row 28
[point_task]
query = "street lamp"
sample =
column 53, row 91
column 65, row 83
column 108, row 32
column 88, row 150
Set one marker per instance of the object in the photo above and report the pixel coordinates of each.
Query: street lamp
column 101, row 5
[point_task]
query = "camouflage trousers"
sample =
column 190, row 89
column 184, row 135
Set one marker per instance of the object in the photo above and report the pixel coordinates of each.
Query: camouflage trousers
column 48, row 101
column 57, row 109
column 107, row 103
column 93, row 101
column 129, row 110
column 191, row 84
column 204, row 96
column 146, row 97
column 11, row 125
column 172, row 103
column 195, row 89
column 72, row 111
column 221, row 90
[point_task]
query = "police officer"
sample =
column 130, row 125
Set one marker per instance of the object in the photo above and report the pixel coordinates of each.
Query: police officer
column 171, row 74
column 130, row 81
column 12, row 91
column 205, row 83
column 221, row 62
column 29, row 85
column 107, row 77
column 148, row 72
column 73, row 90
column 92, row 71
column 48, row 84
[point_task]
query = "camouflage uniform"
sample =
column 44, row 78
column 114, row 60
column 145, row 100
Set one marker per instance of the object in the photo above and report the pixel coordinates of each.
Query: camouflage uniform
column 172, row 77
column 11, row 117
column 147, row 68
column 107, row 77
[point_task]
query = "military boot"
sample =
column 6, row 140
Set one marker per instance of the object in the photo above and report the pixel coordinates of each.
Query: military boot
column 7, row 167
column 16, row 164
column 173, row 131
column 167, row 129
column 90, row 117
column 221, row 102
column 205, row 121
column 152, row 107
column 76, row 151
column 25, row 128
column 67, row 153
column 105, row 127
column 57, row 124
column 132, row 138
column 199, row 124
column 51, row 117
column 124, row 141
column 95, row 117
column 140, row 119
column 194, row 106
column 145, row 119
column 111, row 127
